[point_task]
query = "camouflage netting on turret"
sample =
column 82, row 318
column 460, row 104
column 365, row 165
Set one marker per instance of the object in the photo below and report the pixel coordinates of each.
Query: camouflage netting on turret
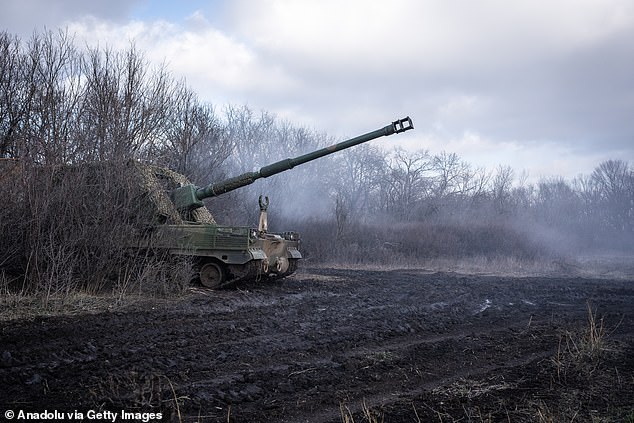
column 158, row 182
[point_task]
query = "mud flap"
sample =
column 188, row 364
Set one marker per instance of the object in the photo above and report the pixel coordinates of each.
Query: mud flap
column 293, row 253
column 257, row 253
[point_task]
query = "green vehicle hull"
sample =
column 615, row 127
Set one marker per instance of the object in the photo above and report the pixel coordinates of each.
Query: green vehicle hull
column 226, row 254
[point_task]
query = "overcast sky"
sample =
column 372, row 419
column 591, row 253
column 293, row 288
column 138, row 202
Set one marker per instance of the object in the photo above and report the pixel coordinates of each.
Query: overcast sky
column 543, row 86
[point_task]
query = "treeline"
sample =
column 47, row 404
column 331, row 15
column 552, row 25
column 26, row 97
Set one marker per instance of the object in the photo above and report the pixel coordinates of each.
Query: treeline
column 65, row 223
column 65, row 105
column 371, row 204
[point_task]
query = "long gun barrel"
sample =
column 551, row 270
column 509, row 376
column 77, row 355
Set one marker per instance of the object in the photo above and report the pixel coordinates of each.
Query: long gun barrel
column 190, row 197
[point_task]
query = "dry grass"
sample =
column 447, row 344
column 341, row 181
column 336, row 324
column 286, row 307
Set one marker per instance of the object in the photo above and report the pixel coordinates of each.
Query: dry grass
column 621, row 268
column 544, row 414
column 367, row 414
column 71, row 230
column 137, row 391
column 580, row 352
column 470, row 389
column 571, row 387
column 16, row 306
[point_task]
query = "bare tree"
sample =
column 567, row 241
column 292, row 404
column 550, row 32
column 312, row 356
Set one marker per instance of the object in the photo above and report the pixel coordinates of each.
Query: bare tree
column 557, row 204
column 614, row 187
column 353, row 183
column 15, row 95
column 612, row 178
column 501, row 189
column 451, row 173
column 195, row 143
column 252, row 136
column 126, row 106
column 407, row 181
column 56, row 102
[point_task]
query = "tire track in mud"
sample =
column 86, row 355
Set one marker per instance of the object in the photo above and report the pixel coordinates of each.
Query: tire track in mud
column 294, row 350
column 397, row 369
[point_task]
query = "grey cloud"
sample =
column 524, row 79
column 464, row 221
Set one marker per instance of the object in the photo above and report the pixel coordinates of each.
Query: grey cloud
column 582, row 96
column 548, row 73
column 23, row 17
column 537, row 85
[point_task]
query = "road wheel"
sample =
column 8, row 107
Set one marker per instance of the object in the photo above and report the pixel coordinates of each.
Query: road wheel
column 281, row 265
column 212, row 275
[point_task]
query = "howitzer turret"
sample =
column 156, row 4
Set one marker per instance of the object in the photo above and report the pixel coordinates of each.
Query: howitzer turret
column 224, row 254
column 190, row 197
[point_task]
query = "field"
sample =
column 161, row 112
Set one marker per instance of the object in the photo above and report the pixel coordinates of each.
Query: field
column 338, row 345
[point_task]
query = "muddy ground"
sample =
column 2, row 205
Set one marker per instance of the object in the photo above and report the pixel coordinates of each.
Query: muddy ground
column 330, row 345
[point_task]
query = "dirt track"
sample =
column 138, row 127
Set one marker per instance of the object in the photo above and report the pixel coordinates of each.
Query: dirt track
column 406, row 345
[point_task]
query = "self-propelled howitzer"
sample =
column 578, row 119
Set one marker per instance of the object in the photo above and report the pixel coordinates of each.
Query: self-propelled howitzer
column 225, row 254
